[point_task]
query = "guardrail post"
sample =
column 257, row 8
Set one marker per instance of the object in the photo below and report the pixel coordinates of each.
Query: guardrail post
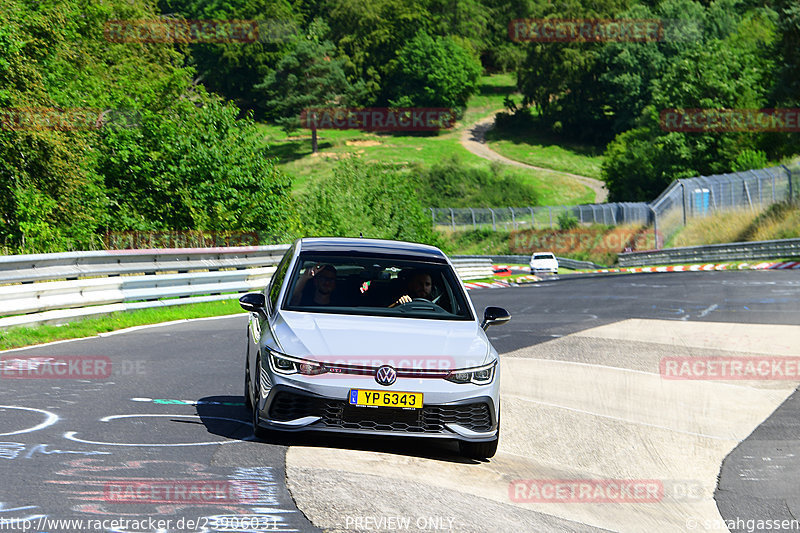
column 683, row 194
column 655, row 227
column 773, row 188
column 747, row 193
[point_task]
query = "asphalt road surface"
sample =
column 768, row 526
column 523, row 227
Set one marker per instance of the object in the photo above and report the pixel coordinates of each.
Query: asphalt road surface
column 151, row 425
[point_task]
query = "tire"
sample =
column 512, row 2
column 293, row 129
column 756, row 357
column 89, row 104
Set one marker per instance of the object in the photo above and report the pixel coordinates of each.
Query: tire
column 248, row 402
column 258, row 431
column 478, row 450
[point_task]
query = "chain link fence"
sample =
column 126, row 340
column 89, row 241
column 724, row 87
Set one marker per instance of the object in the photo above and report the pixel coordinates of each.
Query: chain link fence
column 513, row 218
column 701, row 196
column 682, row 200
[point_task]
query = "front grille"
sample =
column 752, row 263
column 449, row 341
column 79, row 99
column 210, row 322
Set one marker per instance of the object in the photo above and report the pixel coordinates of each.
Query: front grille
column 340, row 414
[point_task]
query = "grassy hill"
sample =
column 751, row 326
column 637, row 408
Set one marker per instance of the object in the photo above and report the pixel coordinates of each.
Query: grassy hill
column 415, row 151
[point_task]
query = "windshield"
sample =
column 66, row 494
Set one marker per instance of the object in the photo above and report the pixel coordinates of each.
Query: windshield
column 376, row 287
column 543, row 256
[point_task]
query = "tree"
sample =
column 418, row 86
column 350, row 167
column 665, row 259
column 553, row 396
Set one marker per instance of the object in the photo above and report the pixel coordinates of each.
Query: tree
column 368, row 35
column 717, row 74
column 233, row 69
column 310, row 75
column 432, row 72
column 195, row 168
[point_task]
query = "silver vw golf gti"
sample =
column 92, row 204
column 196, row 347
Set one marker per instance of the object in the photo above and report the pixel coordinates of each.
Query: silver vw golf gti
column 372, row 337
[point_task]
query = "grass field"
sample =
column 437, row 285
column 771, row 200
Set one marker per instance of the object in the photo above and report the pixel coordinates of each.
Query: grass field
column 25, row 336
column 541, row 150
column 405, row 149
column 781, row 221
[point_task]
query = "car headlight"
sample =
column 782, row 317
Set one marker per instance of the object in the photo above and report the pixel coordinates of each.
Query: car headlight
column 286, row 364
column 480, row 375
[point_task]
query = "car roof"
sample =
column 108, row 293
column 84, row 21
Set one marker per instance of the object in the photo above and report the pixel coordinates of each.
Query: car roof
column 371, row 247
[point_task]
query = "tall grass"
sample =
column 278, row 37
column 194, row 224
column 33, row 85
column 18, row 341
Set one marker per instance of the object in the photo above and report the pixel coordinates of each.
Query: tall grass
column 779, row 221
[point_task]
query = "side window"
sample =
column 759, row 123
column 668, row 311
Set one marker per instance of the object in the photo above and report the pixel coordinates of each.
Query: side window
column 277, row 279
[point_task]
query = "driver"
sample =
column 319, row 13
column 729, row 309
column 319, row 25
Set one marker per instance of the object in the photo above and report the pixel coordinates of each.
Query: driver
column 420, row 285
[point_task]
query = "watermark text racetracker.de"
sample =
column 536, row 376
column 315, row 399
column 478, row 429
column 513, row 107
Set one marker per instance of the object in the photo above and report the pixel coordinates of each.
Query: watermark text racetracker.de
column 180, row 491
column 586, row 491
column 66, row 119
column 149, row 240
column 166, row 30
column 96, row 367
column 730, row 120
column 587, row 30
column 379, row 118
column 148, row 523
column 730, row 368
column 609, row 490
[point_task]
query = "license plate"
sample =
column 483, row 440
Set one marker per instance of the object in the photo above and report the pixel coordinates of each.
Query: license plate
column 375, row 398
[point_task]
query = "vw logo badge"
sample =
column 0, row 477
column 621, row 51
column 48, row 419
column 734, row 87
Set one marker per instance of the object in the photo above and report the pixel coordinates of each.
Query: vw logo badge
column 386, row 375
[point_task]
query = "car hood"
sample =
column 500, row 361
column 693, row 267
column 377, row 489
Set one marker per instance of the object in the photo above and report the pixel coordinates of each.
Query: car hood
column 372, row 341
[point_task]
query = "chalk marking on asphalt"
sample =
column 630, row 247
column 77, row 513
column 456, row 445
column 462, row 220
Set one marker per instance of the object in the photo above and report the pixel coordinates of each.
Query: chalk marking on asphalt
column 50, row 419
column 70, row 435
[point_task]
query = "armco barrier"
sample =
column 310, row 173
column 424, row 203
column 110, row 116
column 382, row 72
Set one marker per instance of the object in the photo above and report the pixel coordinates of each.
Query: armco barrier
column 475, row 267
column 56, row 288
column 526, row 259
column 738, row 251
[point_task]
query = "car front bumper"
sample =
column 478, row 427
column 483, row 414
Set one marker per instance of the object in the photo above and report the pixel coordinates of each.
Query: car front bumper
column 307, row 403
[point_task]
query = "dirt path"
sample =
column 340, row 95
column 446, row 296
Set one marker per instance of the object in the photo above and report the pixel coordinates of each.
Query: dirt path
column 473, row 138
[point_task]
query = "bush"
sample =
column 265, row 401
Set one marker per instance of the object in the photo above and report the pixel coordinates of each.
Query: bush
column 567, row 221
column 375, row 201
column 750, row 159
column 450, row 183
column 195, row 168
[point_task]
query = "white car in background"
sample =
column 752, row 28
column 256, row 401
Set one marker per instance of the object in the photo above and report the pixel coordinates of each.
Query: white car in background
column 544, row 262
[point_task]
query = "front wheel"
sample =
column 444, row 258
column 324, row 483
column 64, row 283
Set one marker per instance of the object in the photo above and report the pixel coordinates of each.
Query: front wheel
column 248, row 402
column 258, row 431
column 478, row 450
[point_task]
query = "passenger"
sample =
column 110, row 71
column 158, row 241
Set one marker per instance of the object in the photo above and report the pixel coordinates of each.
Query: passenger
column 324, row 277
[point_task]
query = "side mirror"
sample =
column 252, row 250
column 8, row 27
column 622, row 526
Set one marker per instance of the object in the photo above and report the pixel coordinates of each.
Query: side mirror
column 494, row 316
column 254, row 302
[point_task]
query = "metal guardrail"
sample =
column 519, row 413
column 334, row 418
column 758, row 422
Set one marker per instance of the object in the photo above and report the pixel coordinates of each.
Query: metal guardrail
column 565, row 262
column 574, row 264
column 738, row 251
column 56, row 288
column 472, row 267
column 72, row 265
